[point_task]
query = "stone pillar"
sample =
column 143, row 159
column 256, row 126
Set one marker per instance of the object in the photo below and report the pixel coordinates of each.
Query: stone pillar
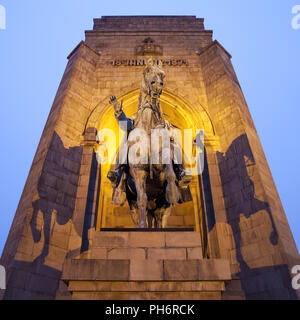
column 253, row 232
column 85, row 206
column 211, row 180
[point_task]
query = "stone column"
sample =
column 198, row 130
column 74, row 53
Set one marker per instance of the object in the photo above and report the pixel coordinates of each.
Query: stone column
column 84, row 215
column 213, row 205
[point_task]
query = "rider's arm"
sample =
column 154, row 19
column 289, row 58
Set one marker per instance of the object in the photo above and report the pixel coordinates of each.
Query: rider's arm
column 124, row 122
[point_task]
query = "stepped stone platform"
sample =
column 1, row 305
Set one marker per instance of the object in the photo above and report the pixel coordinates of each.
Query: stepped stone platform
column 146, row 265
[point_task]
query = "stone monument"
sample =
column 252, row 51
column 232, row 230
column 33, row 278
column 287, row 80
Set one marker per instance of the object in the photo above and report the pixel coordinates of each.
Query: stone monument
column 228, row 238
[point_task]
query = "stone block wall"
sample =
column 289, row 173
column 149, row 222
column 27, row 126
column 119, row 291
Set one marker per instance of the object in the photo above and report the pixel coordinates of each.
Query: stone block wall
column 146, row 245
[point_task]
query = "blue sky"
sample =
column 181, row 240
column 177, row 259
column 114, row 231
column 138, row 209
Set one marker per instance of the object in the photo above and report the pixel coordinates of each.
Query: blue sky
column 39, row 36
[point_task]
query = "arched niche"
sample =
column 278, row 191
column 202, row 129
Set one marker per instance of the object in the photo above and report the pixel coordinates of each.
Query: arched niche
column 180, row 114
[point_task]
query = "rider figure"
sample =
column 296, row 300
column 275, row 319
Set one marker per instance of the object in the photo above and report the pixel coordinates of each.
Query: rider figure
column 151, row 89
column 127, row 124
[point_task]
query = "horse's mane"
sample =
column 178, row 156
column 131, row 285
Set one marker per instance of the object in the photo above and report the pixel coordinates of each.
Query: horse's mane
column 151, row 70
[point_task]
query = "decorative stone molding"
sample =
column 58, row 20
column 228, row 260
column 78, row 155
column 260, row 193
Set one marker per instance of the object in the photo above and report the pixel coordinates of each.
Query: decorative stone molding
column 148, row 47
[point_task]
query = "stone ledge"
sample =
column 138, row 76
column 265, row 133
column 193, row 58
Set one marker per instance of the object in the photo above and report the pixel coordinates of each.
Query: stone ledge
column 118, row 239
column 146, row 270
column 84, row 269
column 212, row 295
column 152, row 253
column 147, row 290
column 150, row 286
column 197, row 270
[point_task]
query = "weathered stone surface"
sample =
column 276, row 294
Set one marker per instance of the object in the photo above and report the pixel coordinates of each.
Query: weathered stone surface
column 205, row 270
column 214, row 269
column 111, row 239
column 181, row 270
column 194, row 253
column 183, row 239
column 147, row 239
column 146, row 270
column 147, row 296
column 139, row 286
column 88, row 269
column 128, row 253
column 167, row 254
column 99, row 253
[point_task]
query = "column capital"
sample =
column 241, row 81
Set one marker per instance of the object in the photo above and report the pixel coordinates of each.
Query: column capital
column 90, row 138
column 211, row 142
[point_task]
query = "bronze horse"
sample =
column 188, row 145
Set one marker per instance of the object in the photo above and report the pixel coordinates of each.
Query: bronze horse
column 150, row 188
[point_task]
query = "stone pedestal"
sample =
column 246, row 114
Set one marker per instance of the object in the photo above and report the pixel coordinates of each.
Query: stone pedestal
column 146, row 265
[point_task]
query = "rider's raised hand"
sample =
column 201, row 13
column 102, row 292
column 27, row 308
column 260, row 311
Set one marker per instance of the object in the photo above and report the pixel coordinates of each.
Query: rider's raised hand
column 114, row 102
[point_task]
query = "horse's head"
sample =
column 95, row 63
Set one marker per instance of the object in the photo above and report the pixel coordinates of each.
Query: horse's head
column 153, row 80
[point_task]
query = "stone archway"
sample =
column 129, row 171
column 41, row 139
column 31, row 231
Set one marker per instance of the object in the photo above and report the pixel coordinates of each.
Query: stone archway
column 183, row 116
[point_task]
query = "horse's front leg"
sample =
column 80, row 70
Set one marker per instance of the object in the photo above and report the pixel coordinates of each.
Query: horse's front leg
column 140, row 177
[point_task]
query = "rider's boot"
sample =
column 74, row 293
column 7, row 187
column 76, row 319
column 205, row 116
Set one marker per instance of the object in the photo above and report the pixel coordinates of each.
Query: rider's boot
column 114, row 175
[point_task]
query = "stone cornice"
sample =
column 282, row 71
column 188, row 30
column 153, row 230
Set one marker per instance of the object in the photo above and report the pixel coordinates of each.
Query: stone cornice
column 80, row 45
column 215, row 43
column 183, row 23
column 150, row 17
column 137, row 32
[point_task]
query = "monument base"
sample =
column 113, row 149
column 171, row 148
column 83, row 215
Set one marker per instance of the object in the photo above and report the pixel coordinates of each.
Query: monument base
column 133, row 290
column 146, row 266
column 90, row 279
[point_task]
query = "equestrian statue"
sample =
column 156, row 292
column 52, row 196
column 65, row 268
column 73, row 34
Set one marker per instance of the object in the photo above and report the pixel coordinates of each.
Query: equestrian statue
column 150, row 187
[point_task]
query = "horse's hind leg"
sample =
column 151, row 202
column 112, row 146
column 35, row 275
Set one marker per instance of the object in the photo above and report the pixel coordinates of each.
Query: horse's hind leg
column 172, row 193
column 134, row 216
column 151, row 220
column 165, row 217
column 139, row 177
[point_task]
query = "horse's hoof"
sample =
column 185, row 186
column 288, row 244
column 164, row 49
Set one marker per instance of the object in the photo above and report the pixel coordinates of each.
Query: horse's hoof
column 143, row 225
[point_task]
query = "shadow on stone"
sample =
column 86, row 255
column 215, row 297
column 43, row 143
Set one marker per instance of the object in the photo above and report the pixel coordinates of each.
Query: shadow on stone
column 94, row 187
column 57, row 188
column 271, row 282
